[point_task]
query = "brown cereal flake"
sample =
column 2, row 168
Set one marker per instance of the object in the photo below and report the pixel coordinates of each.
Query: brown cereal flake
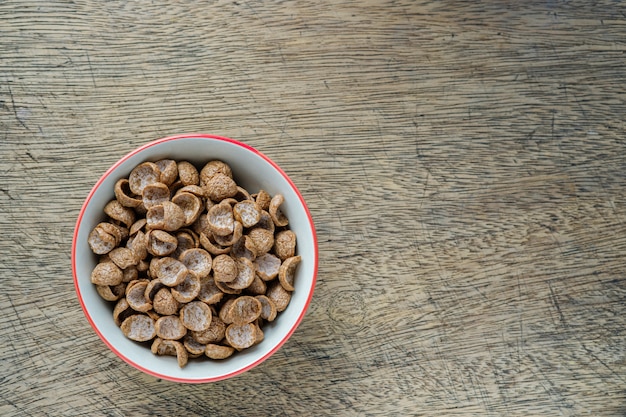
column 214, row 167
column 170, row 328
column 188, row 174
column 287, row 272
column 221, row 220
column 213, row 334
column 278, row 217
column 285, row 244
column 279, row 295
column 116, row 211
column 106, row 273
column 161, row 243
column 241, row 336
column 268, row 308
column 218, row 352
column 245, row 274
column 263, row 200
column 267, row 266
column 169, row 271
column 121, row 311
column 207, row 241
column 139, row 327
column 164, row 302
column 170, row 348
column 219, row 187
column 195, row 316
column 198, row 261
column 188, row 289
column 191, row 206
column 123, row 257
column 209, row 292
column 257, row 287
column 111, row 292
column 247, row 212
column 135, row 296
column 124, row 195
column 142, row 175
column 169, row 171
column 262, row 240
column 245, row 309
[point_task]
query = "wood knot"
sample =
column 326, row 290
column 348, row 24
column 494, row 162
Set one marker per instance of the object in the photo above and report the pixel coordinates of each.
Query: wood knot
column 347, row 312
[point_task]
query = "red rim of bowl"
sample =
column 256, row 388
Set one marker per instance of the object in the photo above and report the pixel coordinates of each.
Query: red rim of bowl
column 82, row 303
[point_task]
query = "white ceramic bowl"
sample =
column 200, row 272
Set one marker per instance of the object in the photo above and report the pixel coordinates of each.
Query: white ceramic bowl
column 253, row 171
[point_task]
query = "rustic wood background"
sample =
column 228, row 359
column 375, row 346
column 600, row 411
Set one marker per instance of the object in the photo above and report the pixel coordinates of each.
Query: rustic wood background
column 463, row 162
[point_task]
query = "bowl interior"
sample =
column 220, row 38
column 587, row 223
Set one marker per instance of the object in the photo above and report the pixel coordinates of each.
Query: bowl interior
column 251, row 170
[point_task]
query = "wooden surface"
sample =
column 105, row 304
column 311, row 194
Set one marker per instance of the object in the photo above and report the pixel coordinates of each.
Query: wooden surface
column 463, row 162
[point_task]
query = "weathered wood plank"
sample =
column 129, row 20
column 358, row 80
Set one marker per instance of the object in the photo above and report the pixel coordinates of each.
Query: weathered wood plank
column 463, row 163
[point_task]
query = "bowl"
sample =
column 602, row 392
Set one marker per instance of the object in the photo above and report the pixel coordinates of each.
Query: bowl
column 251, row 170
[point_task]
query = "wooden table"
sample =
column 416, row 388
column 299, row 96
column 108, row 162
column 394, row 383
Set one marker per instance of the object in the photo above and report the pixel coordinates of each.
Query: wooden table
column 463, row 162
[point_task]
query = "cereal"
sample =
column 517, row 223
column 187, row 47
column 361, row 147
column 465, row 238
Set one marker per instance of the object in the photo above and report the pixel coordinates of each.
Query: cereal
column 224, row 268
column 170, row 327
column 169, row 271
column 263, row 200
column 188, row 173
column 154, row 194
column 193, row 347
column 102, row 242
column 171, row 348
column 245, row 309
column 188, row 289
column 106, row 273
column 198, row 261
column 124, row 195
column 213, row 334
column 276, row 213
column 221, row 220
column 115, row 210
column 195, row 316
column 219, row 187
column 111, row 292
column 190, row 204
column 268, row 308
column 208, row 243
column 123, row 257
column 287, row 271
column 229, row 240
column 139, row 327
column 191, row 261
column 267, row 266
column 279, row 295
column 257, row 287
column 164, row 302
column 121, row 311
column 218, row 351
column 135, row 296
column 209, row 292
column 169, row 171
column 165, row 216
column 261, row 239
column 285, row 244
column 214, row 167
column 226, row 289
column 143, row 175
column 241, row 336
column 247, row 212
column 245, row 274
column 161, row 243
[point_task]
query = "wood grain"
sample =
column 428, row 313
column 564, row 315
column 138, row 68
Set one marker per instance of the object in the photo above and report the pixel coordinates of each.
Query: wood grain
column 463, row 162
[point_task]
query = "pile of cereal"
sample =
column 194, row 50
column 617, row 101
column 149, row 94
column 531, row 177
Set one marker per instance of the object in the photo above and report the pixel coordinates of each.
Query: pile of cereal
column 194, row 262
